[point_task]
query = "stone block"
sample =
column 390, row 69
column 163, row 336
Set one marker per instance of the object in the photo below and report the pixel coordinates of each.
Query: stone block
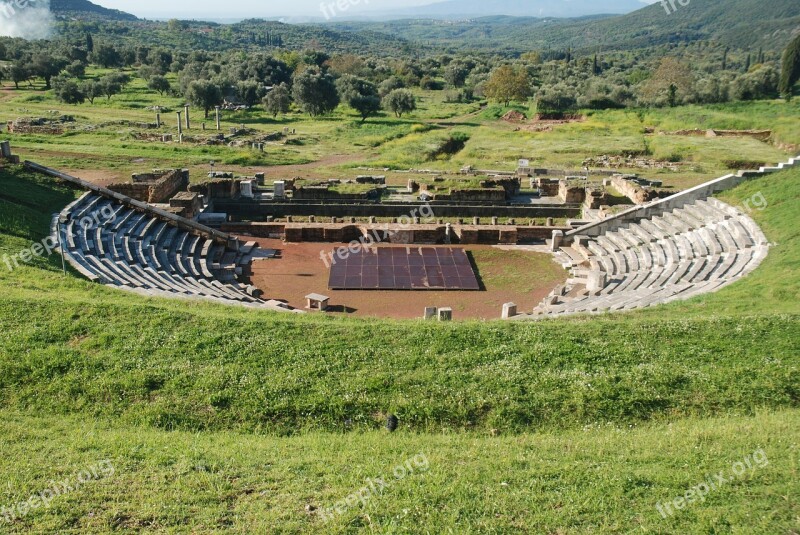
column 509, row 310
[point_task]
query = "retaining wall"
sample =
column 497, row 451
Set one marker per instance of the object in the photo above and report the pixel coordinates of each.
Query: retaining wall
column 242, row 209
column 393, row 233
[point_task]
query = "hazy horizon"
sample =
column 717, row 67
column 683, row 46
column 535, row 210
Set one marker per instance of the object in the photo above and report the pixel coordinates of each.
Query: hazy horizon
column 252, row 9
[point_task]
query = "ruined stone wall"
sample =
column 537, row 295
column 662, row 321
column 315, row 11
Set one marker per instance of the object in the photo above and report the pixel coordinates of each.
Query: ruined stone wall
column 570, row 193
column 511, row 185
column 218, row 188
column 140, row 192
column 474, row 195
column 317, row 193
column 636, row 193
column 397, row 234
column 188, row 202
column 153, row 188
column 596, row 198
column 547, row 186
column 257, row 230
column 168, row 185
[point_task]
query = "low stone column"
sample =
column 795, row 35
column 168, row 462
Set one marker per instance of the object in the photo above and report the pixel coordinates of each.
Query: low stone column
column 596, row 281
column 509, row 310
column 558, row 238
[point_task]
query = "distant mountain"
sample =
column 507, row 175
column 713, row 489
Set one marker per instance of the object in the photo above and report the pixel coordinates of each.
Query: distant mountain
column 461, row 9
column 739, row 24
column 83, row 9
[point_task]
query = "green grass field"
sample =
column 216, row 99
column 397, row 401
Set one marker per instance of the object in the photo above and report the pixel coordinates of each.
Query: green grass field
column 217, row 419
column 100, row 143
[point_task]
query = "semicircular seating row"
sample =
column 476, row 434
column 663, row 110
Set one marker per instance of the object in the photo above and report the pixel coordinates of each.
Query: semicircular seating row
column 138, row 252
column 688, row 251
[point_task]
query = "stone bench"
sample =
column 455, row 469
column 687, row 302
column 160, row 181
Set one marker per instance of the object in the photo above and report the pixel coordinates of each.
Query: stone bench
column 692, row 222
column 642, row 233
column 654, row 230
column 711, row 240
column 699, row 245
column 712, row 262
column 678, row 224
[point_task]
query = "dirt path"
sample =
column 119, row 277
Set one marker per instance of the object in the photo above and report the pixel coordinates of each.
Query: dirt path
column 306, row 170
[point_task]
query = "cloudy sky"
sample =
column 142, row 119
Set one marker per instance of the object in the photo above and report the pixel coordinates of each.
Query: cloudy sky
column 198, row 9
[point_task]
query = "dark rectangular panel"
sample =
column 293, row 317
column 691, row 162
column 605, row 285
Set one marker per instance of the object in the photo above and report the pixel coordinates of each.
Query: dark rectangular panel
column 404, row 268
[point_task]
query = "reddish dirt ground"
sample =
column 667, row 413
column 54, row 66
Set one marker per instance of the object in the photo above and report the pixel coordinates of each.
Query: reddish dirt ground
column 518, row 276
column 97, row 177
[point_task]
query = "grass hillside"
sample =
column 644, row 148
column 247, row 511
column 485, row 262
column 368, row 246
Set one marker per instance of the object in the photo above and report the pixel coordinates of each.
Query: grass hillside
column 218, row 419
column 69, row 346
column 600, row 479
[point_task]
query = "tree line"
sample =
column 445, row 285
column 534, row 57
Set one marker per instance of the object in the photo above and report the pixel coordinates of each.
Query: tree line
column 317, row 82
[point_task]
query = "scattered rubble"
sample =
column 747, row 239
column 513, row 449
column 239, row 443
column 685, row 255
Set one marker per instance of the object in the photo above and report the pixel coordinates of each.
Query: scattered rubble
column 628, row 162
column 39, row 125
column 514, row 116
column 761, row 135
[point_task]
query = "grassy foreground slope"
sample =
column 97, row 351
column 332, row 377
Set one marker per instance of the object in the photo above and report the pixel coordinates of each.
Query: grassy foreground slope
column 68, row 346
column 595, row 480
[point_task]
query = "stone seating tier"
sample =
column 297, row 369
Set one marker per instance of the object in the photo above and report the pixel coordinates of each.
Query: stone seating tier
column 138, row 252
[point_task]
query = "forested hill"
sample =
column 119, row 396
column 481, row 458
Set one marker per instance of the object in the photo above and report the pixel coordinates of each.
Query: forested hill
column 737, row 23
column 261, row 35
column 86, row 10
